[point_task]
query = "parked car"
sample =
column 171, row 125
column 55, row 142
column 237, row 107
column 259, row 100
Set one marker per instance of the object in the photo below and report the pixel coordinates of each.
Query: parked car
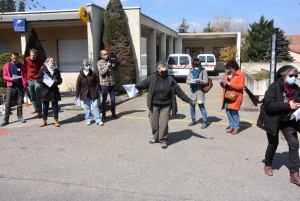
column 208, row 61
column 179, row 65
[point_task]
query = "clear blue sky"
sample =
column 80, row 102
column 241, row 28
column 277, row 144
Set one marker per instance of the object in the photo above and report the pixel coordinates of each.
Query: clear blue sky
column 286, row 13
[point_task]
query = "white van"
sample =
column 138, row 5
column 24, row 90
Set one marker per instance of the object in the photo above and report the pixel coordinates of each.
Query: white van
column 208, row 61
column 179, row 65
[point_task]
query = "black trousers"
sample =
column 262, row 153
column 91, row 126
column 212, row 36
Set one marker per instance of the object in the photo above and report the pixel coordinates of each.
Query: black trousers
column 11, row 94
column 289, row 131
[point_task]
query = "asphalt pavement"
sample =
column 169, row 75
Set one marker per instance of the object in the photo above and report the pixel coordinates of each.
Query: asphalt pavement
column 116, row 162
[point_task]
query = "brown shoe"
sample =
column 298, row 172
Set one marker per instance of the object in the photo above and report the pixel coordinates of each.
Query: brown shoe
column 56, row 123
column 294, row 178
column 44, row 123
column 229, row 130
column 33, row 112
column 40, row 114
column 268, row 170
column 234, row 132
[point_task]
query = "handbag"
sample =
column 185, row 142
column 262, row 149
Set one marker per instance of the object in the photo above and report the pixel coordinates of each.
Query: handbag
column 231, row 95
column 206, row 88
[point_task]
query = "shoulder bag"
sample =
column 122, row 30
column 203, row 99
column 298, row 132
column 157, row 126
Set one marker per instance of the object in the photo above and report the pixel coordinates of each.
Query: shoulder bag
column 206, row 88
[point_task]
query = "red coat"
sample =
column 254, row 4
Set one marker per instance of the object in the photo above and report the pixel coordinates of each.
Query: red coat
column 237, row 84
column 33, row 67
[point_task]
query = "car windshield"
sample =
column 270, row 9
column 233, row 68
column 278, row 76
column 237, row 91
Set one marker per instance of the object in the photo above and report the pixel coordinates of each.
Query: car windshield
column 210, row 59
column 202, row 58
column 173, row 60
column 184, row 60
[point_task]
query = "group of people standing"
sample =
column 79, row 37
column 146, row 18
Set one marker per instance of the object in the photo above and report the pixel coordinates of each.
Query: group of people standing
column 30, row 77
column 281, row 99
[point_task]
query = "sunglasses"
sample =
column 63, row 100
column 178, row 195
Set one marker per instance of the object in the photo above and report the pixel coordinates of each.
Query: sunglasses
column 291, row 75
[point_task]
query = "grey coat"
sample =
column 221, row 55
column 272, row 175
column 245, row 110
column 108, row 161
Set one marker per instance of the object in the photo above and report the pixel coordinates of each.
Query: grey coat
column 198, row 96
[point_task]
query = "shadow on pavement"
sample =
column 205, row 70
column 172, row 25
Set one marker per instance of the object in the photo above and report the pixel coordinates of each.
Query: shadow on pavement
column 280, row 159
column 176, row 137
column 120, row 114
column 77, row 118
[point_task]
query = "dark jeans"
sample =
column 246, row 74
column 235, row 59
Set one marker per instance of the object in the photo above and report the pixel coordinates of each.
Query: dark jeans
column 11, row 93
column 290, row 134
column 46, row 108
column 111, row 91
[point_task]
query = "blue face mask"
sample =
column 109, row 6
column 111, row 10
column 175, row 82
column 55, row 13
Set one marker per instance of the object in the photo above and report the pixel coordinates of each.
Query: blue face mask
column 87, row 68
column 291, row 80
column 52, row 67
column 196, row 68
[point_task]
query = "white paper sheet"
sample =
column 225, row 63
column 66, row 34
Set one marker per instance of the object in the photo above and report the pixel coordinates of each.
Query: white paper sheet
column 193, row 81
column 77, row 101
column 296, row 115
column 47, row 80
column 130, row 89
column 221, row 80
column 16, row 76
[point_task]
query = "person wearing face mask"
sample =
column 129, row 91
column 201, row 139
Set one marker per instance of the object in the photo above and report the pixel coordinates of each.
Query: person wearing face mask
column 234, row 82
column 280, row 101
column 87, row 88
column 50, row 93
column 107, row 83
column 162, row 89
column 196, row 78
column 33, row 64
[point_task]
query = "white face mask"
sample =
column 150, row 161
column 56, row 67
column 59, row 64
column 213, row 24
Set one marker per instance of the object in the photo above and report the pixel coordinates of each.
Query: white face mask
column 31, row 58
column 105, row 57
column 196, row 68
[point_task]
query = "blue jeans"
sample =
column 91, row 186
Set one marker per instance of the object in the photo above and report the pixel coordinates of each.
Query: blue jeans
column 87, row 108
column 234, row 118
column 203, row 112
column 111, row 91
column 35, row 93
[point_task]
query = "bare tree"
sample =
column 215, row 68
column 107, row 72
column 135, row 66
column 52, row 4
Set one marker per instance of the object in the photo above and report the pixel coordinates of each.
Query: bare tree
column 229, row 24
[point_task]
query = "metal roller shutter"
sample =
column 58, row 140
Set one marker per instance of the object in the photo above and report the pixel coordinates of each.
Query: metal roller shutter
column 4, row 47
column 71, row 53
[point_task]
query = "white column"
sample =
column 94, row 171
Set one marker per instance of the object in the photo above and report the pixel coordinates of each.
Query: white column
column 238, row 47
column 178, row 46
column 171, row 44
column 163, row 44
column 152, row 51
column 24, row 37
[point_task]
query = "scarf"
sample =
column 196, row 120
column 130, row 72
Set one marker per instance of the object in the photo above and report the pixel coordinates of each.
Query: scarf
column 196, row 74
column 289, row 91
column 51, row 70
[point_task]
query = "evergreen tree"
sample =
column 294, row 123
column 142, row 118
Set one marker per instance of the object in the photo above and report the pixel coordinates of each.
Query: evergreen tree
column 283, row 50
column 183, row 27
column 208, row 28
column 7, row 6
column 33, row 42
column 259, row 39
column 116, row 39
column 21, row 6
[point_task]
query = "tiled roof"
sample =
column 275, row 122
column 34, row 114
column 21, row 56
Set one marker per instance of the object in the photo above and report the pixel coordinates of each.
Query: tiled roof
column 295, row 43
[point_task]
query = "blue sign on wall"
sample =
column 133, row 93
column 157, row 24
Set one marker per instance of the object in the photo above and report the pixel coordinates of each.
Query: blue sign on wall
column 20, row 25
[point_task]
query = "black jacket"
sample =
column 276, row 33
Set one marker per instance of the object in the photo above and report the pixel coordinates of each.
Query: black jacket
column 272, row 107
column 87, row 85
column 50, row 93
column 149, row 84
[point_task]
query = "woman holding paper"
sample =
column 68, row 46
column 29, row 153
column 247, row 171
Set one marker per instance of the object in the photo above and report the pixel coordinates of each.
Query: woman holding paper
column 233, row 84
column 49, row 77
column 162, row 89
column 280, row 102
column 87, row 88
column 196, row 78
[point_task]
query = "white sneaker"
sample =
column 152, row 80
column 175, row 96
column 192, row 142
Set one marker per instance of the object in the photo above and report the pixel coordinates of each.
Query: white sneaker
column 88, row 123
column 100, row 123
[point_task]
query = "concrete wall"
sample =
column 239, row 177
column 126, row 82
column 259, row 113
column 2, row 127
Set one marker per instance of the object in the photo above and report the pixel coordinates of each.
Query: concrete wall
column 132, row 17
column 14, row 39
column 95, row 33
column 255, row 67
column 207, row 44
column 295, row 56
